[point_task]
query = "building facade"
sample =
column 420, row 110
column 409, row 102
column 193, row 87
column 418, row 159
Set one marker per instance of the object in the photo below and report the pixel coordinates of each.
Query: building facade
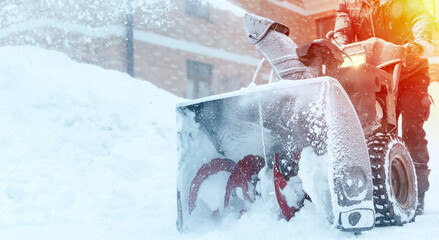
column 200, row 49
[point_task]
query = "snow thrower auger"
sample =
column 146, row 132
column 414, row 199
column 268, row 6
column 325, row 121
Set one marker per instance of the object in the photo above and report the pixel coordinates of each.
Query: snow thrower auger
column 326, row 132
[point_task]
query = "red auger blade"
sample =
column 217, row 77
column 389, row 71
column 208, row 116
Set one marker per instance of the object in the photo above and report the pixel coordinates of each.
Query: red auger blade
column 244, row 169
column 213, row 167
column 279, row 184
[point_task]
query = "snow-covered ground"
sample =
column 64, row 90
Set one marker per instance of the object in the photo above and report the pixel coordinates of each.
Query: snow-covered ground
column 88, row 153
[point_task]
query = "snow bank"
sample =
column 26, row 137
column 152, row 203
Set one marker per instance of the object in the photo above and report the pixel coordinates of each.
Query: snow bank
column 88, row 153
column 82, row 148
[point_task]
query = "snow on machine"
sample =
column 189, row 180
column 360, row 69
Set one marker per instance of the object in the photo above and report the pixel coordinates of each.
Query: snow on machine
column 327, row 132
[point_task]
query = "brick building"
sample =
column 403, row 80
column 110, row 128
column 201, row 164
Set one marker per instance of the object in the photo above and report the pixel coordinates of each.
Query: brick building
column 200, row 50
column 206, row 51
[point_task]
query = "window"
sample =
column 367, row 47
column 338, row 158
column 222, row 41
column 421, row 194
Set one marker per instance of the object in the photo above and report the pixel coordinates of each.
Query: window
column 197, row 8
column 324, row 25
column 199, row 79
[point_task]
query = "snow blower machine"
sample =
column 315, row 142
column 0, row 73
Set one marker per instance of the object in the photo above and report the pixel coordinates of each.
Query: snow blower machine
column 326, row 132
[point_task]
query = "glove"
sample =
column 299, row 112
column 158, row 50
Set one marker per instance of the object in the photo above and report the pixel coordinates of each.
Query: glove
column 413, row 48
column 427, row 48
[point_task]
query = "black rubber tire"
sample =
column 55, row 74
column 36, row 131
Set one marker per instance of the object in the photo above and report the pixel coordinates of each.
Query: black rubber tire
column 394, row 181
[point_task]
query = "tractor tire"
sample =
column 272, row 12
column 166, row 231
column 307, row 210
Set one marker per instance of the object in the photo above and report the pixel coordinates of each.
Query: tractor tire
column 394, row 181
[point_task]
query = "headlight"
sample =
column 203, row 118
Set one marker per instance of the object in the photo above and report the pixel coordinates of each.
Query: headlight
column 355, row 184
column 354, row 60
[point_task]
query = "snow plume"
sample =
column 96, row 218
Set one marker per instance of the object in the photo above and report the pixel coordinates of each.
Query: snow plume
column 157, row 12
column 104, row 16
column 81, row 28
column 227, row 6
column 95, row 13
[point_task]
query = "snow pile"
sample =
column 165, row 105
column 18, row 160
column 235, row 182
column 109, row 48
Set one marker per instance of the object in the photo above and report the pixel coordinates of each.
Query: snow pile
column 82, row 148
column 88, row 153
